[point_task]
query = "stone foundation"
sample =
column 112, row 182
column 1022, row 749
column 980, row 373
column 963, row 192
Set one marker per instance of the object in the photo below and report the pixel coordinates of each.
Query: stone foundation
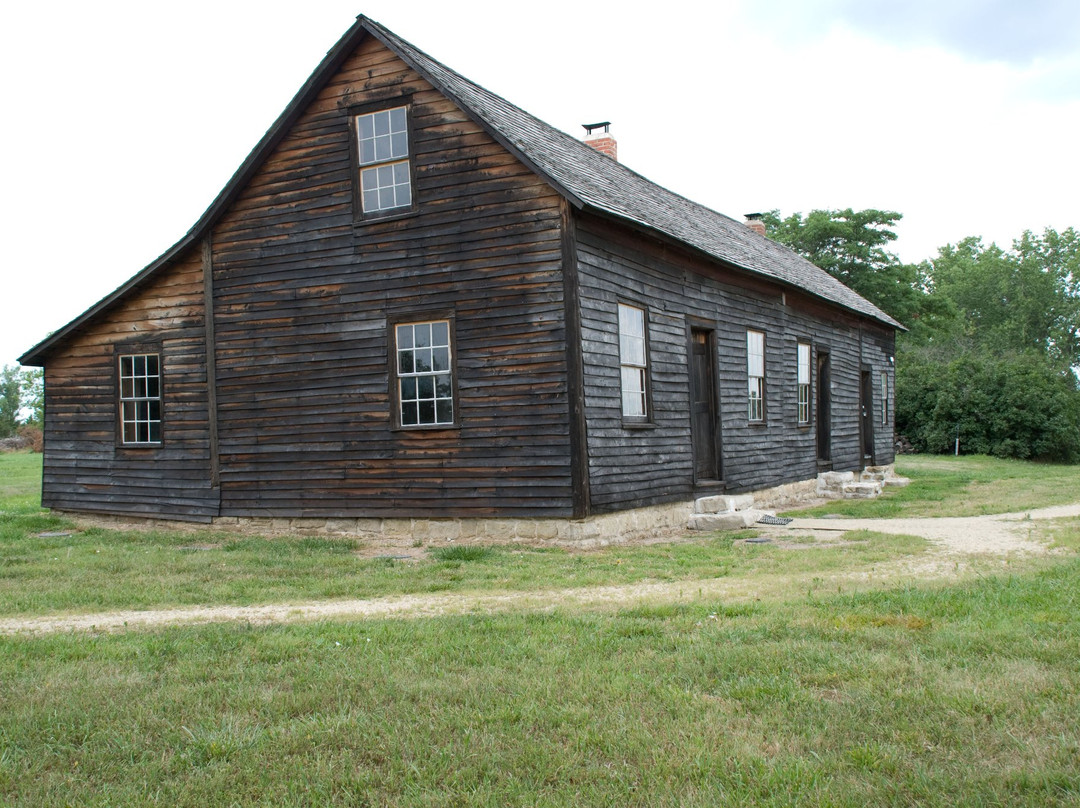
column 596, row 531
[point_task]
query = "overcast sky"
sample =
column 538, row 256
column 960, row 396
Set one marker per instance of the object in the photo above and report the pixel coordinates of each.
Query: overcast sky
column 123, row 120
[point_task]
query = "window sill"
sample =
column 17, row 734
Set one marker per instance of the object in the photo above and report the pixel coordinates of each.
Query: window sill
column 427, row 428
column 389, row 216
column 638, row 425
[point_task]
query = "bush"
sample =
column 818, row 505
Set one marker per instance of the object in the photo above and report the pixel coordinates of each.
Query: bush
column 1014, row 406
column 33, row 436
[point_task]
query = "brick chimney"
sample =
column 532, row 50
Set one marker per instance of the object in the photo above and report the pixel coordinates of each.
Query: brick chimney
column 754, row 222
column 602, row 141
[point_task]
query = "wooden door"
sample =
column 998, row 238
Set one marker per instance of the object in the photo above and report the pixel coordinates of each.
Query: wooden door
column 824, row 409
column 866, row 416
column 704, row 424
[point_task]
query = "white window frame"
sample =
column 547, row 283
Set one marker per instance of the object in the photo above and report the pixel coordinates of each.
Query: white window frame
column 140, row 399
column 755, row 376
column 803, row 357
column 424, row 370
column 382, row 148
column 633, row 362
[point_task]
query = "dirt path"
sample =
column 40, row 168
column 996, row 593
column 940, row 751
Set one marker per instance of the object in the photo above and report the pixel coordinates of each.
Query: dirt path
column 956, row 538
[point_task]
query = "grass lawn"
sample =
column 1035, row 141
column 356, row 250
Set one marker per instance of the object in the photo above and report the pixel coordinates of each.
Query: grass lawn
column 964, row 486
column 101, row 569
column 928, row 695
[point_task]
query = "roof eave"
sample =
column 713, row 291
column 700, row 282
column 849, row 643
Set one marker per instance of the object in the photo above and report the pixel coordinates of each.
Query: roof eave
column 884, row 319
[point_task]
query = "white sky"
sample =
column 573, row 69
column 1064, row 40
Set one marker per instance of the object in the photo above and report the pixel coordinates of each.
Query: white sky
column 123, row 120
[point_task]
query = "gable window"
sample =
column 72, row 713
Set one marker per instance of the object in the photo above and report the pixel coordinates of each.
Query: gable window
column 755, row 375
column 424, row 377
column 383, row 149
column 632, row 361
column 804, row 383
column 140, row 399
column 884, row 397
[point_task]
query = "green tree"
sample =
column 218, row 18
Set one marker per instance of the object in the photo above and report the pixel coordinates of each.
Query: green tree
column 32, row 393
column 851, row 246
column 10, row 399
column 1023, row 300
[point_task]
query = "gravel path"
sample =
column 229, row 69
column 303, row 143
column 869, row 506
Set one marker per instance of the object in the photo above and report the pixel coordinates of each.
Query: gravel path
column 997, row 535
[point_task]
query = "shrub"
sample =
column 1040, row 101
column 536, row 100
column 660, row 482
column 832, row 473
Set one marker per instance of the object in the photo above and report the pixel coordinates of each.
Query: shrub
column 1012, row 406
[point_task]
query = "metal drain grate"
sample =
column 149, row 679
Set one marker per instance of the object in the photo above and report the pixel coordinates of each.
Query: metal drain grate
column 775, row 520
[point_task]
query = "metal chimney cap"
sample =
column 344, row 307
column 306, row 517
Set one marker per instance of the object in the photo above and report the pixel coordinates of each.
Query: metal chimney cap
column 588, row 127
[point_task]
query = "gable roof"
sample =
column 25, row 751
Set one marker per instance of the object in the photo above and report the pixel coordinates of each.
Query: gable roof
column 587, row 178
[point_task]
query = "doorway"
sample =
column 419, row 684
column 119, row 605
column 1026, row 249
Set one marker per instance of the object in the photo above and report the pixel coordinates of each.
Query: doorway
column 824, row 409
column 866, row 418
column 704, row 423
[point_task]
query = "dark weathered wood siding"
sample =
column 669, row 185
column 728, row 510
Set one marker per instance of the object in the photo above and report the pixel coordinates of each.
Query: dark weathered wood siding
column 303, row 298
column 632, row 465
column 85, row 469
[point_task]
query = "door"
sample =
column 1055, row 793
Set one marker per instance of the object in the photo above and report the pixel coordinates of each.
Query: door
column 824, row 409
column 704, row 424
column 866, row 416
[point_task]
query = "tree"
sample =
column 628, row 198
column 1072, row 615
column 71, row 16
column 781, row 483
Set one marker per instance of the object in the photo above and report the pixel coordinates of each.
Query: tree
column 851, row 246
column 1023, row 300
column 21, row 399
column 10, row 400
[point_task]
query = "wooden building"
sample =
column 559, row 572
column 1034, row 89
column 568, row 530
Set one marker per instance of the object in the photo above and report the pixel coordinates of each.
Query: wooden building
column 415, row 299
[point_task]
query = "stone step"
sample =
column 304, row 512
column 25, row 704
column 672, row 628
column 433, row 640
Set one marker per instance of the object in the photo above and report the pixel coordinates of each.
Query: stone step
column 896, row 482
column 729, row 520
column 862, row 490
column 723, row 503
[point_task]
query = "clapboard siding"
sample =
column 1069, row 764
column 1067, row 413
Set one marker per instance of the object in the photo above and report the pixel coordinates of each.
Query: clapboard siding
column 84, row 468
column 630, row 465
column 304, row 299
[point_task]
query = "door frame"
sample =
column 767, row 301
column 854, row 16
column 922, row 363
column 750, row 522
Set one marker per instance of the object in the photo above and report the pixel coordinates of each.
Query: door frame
column 694, row 326
column 823, row 406
column 867, row 445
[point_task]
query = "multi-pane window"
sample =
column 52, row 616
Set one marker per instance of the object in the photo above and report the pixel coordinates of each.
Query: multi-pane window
column 383, row 141
column 804, row 383
column 140, row 398
column 632, row 360
column 425, row 386
column 884, row 397
column 755, row 375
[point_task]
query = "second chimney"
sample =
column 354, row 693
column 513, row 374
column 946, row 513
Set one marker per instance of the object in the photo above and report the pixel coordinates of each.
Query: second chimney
column 602, row 141
column 754, row 222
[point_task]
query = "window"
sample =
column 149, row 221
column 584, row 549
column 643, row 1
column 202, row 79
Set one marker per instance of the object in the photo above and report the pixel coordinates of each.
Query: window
column 424, row 376
column 804, row 383
column 383, row 149
column 884, row 397
column 755, row 373
column 140, row 399
column 632, row 361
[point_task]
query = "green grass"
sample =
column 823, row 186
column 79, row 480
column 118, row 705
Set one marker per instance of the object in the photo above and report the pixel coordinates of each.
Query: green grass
column 101, row 569
column 964, row 486
column 966, row 695
column 924, row 695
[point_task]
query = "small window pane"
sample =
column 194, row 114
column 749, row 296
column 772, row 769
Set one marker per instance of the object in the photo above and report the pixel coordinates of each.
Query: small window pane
column 423, row 334
column 399, row 145
column 405, row 362
column 126, row 363
column 444, row 411
column 440, row 358
column 397, row 119
column 426, row 410
column 408, row 413
column 425, row 387
column 443, row 388
column 408, row 389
